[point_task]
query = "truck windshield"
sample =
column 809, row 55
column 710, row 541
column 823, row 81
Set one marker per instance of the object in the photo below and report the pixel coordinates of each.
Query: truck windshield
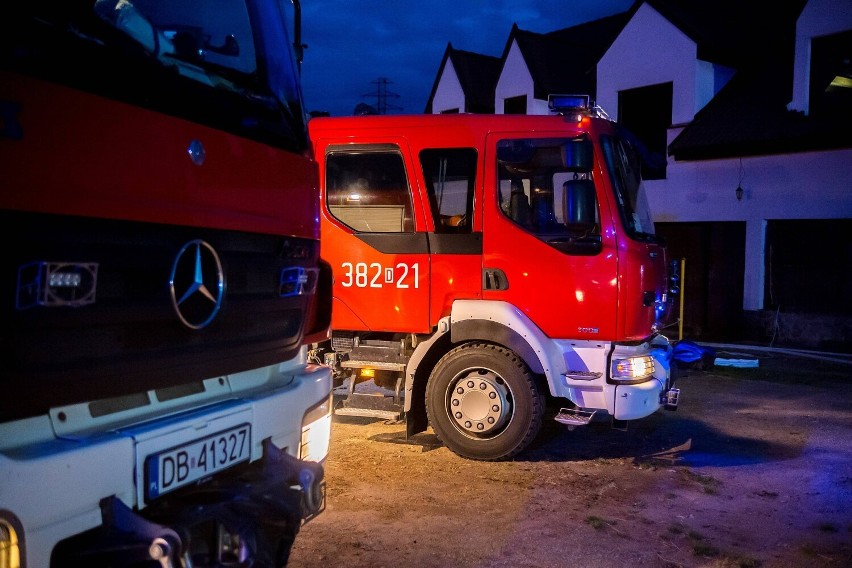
column 624, row 167
column 226, row 63
column 547, row 187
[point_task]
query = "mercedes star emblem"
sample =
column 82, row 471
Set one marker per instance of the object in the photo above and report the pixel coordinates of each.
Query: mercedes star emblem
column 197, row 284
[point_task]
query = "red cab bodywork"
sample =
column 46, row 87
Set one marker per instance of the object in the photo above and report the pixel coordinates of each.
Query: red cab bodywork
column 406, row 280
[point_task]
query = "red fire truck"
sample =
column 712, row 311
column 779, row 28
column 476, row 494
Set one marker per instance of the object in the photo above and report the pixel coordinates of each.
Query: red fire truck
column 159, row 283
column 487, row 265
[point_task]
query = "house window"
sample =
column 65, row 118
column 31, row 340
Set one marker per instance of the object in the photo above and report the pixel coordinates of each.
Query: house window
column 831, row 76
column 647, row 113
column 515, row 105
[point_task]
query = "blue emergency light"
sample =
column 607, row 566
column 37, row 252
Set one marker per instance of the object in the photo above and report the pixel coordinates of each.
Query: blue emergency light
column 568, row 103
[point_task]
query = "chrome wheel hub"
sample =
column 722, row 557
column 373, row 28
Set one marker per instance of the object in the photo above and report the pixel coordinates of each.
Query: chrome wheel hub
column 479, row 402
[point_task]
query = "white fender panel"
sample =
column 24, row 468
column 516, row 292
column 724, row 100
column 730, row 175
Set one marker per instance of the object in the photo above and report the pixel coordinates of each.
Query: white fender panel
column 548, row 353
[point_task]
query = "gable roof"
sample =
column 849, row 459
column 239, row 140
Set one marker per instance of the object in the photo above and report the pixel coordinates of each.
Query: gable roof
column 749, row 115
column 730, row 32
column 564, row 61
column 477, row 75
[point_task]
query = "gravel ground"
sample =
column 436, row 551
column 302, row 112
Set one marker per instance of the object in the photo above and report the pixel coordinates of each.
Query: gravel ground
column 753, row 469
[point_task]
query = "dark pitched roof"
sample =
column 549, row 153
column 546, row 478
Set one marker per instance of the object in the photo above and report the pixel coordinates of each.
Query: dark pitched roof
column 730, row 31
column 749, row 115
column 478, row 76
column 564, row 61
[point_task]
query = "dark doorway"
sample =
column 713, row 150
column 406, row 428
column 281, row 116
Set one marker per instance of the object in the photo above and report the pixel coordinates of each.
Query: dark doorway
column 809, row 266
column 715, row 269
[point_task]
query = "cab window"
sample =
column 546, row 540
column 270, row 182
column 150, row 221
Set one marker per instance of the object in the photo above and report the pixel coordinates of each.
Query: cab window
column 624, row 166
column 547, row 188
column 225, row 64
column 450, row 175
column 367, row 189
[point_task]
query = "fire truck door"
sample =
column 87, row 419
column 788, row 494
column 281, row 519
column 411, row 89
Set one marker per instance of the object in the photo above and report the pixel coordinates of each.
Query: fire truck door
column 455, row 241
column 374, row 235
column 545, row 234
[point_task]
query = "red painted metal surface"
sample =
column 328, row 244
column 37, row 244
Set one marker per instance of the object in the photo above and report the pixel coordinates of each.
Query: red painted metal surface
column 96, row 157
column 567, row 296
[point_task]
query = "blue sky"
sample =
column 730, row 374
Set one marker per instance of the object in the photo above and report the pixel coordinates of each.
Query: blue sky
column 352, row 43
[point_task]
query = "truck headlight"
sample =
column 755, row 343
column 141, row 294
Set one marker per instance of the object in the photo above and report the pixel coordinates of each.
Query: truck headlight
column 10, row 550
column 316, row 432
column 632, row 369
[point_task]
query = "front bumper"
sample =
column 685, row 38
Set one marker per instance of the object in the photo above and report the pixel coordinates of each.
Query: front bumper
column 250, row 517
column 638, row 401
column 585, row 381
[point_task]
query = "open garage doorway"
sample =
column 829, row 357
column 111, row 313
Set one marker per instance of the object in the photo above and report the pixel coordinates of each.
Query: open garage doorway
column 715, row 268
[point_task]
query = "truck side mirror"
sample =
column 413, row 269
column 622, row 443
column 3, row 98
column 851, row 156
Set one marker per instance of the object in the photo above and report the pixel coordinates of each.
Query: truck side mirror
column 577, row 155
column 579, row 202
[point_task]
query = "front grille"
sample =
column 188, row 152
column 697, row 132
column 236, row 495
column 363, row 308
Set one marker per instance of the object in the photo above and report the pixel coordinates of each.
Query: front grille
column 131, row 339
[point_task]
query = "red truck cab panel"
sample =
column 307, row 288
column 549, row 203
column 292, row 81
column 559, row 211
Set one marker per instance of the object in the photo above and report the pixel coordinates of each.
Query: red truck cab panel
column 375, row 234
column 537, row 211
column 154, row 179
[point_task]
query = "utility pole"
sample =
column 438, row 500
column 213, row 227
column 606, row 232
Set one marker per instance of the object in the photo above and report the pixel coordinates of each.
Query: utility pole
column 382, row 95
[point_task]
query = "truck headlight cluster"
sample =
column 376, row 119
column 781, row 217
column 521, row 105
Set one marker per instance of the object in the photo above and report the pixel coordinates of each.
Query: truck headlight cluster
column 632, row 369
column 316, row 432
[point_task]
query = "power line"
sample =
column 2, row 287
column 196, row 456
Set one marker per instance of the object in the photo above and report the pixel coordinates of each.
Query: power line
column 382, row 94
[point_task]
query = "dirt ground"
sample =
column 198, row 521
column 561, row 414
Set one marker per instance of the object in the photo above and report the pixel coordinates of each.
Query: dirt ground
column 753, row 469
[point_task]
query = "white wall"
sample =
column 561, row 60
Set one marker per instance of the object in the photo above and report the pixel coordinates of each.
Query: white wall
column 810, row 185
column 449, row 93
column 649, row 51
column 819, row 18
column 813, row 185
column 515, row 80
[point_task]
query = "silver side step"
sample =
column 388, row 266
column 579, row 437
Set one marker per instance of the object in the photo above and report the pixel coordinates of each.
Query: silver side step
column 369, row 413
column 574, row 417
column 372, row 404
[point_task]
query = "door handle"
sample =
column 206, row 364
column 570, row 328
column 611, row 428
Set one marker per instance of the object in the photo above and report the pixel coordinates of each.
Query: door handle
column 494, row 279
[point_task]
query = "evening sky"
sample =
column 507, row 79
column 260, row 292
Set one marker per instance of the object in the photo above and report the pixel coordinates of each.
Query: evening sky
column 354, row 43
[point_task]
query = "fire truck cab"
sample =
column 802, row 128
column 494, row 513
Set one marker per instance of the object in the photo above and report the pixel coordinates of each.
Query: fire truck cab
column 484, row 264
column 160, row 281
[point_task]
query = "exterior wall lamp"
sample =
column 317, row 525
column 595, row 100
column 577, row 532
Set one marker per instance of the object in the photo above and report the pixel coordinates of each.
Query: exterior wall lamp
column 740, row 174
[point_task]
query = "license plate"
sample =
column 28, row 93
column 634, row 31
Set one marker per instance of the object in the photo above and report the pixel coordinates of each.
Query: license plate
column 186, row 464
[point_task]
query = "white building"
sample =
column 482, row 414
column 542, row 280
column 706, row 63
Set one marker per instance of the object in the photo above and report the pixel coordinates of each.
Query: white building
column 754, row 115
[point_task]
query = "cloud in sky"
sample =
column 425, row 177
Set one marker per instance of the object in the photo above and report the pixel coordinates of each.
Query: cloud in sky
column 352, row 43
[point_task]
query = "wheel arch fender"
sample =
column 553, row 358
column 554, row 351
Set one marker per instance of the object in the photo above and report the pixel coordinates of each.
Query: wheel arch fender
column 479, row 320
column 504, row 323
column 420, row 364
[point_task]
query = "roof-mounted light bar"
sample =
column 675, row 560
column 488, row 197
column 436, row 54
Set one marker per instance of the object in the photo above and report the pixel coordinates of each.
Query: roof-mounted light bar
column 568, row 103
column 578, row 106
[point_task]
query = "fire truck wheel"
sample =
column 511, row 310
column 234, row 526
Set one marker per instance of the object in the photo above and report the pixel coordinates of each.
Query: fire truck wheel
column 483, row 402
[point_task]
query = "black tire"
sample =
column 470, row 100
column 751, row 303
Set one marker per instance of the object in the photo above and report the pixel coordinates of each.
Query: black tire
column 483, row 402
